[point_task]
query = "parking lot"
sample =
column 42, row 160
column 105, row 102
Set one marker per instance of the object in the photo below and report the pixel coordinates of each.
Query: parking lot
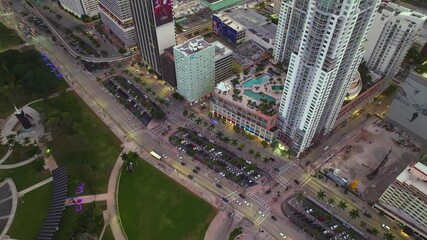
column 362, row 154
column 318, row 222
column 226, row 164
column 133, row 99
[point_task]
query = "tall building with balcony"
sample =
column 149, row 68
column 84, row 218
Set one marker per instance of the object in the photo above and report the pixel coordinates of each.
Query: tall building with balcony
column 81, row 7
column 155, row 29
column 322, row 44
column 195, row 68
column 117, row 16
column 393, row 32
column 405, row 200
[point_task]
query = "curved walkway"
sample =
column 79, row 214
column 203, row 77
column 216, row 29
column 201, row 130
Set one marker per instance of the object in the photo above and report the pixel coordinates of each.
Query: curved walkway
column 6, row 156
column 20, row 164
column 14, row 197
column 215, row 229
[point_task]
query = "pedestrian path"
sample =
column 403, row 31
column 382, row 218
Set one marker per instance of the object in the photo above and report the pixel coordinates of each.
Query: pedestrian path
column 20, row 164
column 6, row 156
column 304, row 179
column 258, row 200
column 35, row 186
column 258, row 221
column 86, row 199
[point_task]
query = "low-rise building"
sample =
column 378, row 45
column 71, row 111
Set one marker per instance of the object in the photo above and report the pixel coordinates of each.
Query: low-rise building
column 250, row 104
column 81, row 7
column 405, row 200
column 223, row 62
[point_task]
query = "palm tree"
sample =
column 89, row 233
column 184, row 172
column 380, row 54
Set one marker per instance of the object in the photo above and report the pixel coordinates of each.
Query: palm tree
column 251, row 152
column 257, row 155
column 234, row 142
column 362, row 224
column 198, row 120
column 342, row 205
column 185, row 113
column 388, row 236
column 300, row 197
column 321, row 194
column 316, row 234
column 241, row 146
column 374, row 231
column 331, row 201
column 211, row 127
column 282, row 152
column 265, row 159
column 274, row 144
column 219, row 134
column 191, row 116
column 226, row 139
column 354, row 213
column 210, row 114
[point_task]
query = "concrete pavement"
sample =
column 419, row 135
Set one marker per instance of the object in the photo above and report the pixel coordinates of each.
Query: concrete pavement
column 35, row 186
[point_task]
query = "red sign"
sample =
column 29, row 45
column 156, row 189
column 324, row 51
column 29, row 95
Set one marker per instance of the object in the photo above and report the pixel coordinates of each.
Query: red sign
column 162, row 11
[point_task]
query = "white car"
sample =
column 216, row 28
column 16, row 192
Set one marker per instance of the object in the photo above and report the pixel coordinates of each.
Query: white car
column 238, row 202
column 180, row 157
column 246, row 203
column 326, row 148
column 333, row 227
column 385, row 227
column 282, row 235
column 310, row 210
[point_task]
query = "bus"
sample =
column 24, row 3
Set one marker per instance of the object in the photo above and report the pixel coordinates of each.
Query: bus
column 157, row 156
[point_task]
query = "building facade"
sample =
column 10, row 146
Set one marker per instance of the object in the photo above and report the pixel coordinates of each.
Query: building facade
column 117, row 16
column 323, row 46
column 223, row 62
column 405, row 200
column 81, row 7
column 155, row 29
column 195, row 68
column 393, row 32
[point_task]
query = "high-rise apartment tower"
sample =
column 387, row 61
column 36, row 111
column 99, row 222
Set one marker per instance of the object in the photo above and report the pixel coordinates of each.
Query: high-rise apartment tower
column 155, row 30
column 321, row 42
column 117, row 16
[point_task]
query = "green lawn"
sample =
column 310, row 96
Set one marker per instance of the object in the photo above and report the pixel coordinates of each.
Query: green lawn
column 81, row 142
column 108, row 235
column 154, row 206
column 19, row 154
column 30, row 213
column 3, row 150
column 8, row 38
column 75, row 224
column 26, row 176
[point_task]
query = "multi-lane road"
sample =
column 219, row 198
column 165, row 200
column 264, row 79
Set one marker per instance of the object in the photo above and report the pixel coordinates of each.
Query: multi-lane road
column 118, row 119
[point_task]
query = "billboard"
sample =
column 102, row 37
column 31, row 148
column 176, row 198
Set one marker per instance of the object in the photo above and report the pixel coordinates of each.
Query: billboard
column 162, row 11
column 223, row 30
column 409, row 108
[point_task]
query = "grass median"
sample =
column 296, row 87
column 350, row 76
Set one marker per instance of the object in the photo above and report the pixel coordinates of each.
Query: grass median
column 155, row 206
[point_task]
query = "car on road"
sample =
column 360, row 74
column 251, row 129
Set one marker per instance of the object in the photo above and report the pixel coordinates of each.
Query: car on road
column 183, row 163
column 179, row 157
column 296, row 181
column 333, row 227
column 238, row 202
column 326, row 148
column 225, row 200
column 195, row 171
column 197, row 168
column 282, row 235
column 190, row 177
column 246, row 203
column 385, row 227
column 309, row 210
column 274, row 218
column 241, row 195
column 218, row 185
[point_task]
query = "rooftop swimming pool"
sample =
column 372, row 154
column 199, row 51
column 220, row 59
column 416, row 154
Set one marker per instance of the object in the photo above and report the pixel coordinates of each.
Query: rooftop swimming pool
column 256, row 81
column 259, row 96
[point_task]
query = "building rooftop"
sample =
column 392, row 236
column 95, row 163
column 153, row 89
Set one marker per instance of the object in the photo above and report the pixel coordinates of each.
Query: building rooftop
column 260, row 94
column 217, row 5
column 415, row 175
column 201, row 17
column 193, row 45
column 248, row 53
column 240, row 18
column 221, row 50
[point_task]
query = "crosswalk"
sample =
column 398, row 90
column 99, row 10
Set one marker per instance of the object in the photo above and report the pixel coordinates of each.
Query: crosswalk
column 237, row 216
column 258, row 221
column 284, row 168
column 304, row 179
column 259, row 200
column 282, row 181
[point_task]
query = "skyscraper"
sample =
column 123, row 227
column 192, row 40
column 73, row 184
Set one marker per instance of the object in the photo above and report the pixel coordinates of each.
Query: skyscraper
column 393, row 32
column 117, row 16
column 195, row 68
column 322, row 44
column 155, row 30
column 81, row 7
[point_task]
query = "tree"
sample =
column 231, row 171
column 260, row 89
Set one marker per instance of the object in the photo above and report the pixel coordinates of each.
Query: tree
column 388, row 236
column 257, row 155
column 241, row 147
column 198, row 121
column 251, row 152
column 211, row 127
column 362, row 224
column 185, row 113
column 265, row 159
column 331, row 201
column 191, row 116
column 374, row 231
column 219, row 134
column 282, row 152
column 226, row 139
column 342, row 205
column 321, row 194
column 234, row 142
column 300, row 197
column 274, row 144
column 264, row 144
column 354, row 213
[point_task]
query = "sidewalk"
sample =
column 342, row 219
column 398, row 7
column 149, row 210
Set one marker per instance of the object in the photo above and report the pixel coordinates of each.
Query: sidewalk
column 35, row 186
column 86, row 199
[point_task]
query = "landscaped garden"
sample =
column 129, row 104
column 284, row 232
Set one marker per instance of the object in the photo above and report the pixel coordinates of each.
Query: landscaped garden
column 154, row 206
column 81, row 142
column 27, row 175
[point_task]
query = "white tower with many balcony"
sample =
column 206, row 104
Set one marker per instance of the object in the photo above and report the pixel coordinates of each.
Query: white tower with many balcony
column 321, row 41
